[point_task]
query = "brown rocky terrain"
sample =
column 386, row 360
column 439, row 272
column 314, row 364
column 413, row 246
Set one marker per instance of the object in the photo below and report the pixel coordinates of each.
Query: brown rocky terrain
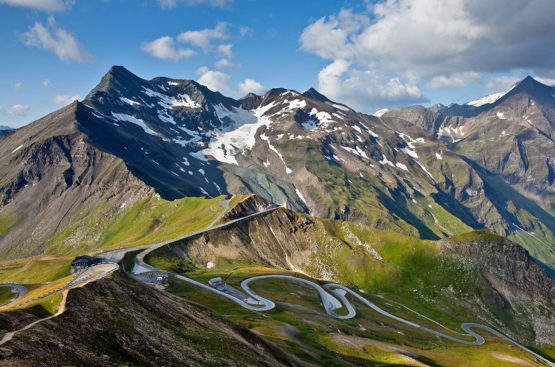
column 50, row 177
column 115, row 321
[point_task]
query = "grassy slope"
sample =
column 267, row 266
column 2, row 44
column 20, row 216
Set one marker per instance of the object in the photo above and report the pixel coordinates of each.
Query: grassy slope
column 299, row 325
column 412, row 272
column 149, row 220
column 387, row 206
column 6, row 295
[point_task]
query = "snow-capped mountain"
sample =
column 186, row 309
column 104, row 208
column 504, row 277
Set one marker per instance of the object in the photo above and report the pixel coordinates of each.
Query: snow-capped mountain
column 423, row 172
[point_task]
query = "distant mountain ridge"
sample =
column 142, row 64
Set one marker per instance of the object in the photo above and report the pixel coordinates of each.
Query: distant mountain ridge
column 424, row 172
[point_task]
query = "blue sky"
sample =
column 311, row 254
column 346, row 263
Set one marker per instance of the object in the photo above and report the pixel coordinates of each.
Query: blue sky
column 369, row 55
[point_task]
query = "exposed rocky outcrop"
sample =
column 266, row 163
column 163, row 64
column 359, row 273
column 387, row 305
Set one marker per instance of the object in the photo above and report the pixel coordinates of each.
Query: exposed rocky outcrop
column 521, row 283
column 110, row 322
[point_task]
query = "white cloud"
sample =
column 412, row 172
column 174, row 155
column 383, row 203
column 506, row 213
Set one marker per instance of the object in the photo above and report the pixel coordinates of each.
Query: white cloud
column 454, row 80
column 18, row 110
column 57, row 40
column 170, row 4
column 225, row 50
column 225, row 63
column 365, row 90
column 45, row 5
column 423, row 39
column 546, row 81
column 204, row 37
column 250, row 86
column 65, row 99
column 502, row 83
column 18, row 85
column 214, row 80
column 163, row 48
column 245, row 31
column 45, row 82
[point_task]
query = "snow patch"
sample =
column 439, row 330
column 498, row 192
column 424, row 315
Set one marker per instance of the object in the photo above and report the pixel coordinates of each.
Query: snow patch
column 490, row 98
column 136, row 121
column 240, row 135
column 199, row 155
column 16, row 149
column 410, row 152
column 401, row 166
column 358, row 151
column 129, row 101
column 424, row 169
column 338, row 106
column 372, row 134
column 322, row 116
column 287, row 169
column 438, row 156
column 303, row 200
column 501, row 115
column 380, row 113
column 310, row 125
column 449, row 131
column 385, row 161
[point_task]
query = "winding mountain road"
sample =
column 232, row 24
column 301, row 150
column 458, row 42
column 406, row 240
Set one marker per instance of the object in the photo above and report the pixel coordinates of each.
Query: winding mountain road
column 16, row 288
column 333, row 296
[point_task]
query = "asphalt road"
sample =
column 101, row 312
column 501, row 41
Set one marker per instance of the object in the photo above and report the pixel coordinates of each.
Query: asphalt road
column 16, row 288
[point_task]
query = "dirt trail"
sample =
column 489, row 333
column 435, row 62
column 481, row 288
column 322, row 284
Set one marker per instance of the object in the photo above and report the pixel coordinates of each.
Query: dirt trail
column 61, row 309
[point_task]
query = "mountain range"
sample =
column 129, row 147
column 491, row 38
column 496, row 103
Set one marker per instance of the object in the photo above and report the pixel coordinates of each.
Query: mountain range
column 424, row 172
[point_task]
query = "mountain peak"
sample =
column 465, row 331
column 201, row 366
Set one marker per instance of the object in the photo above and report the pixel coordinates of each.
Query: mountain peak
column 119, row 72
column 530, row 83
column 314, row 94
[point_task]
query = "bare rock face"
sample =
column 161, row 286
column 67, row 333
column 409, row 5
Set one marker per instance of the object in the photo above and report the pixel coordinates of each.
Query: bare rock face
column 522, row 284
column 110, row 322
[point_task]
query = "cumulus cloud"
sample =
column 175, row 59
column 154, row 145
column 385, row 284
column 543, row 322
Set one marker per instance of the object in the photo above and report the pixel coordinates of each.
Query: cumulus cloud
column 454, row 80
column 427, row 39
column 225, row 50
column 364, row 89
column 204, row 37
column 250, row 86
column 214, row 80
column 45, row 82
column 164, row 48
column 44, row 5
column 502, row 83
column 225, row 63
column 18, row 110
column 546, row 81
column 65, row 99
column 52, row 38
column 170, row 4
column 18, row 85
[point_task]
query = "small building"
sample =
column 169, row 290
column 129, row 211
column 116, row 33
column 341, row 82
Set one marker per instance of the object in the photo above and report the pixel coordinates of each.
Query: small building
column 216, row 283
column 80, row 263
